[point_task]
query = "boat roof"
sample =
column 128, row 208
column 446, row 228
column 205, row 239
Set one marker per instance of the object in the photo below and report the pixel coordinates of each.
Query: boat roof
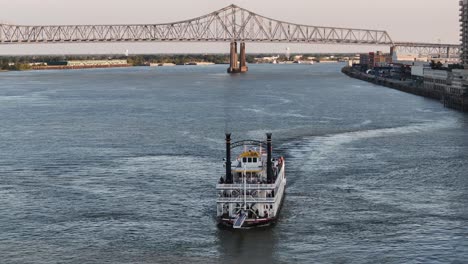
column 250, row 154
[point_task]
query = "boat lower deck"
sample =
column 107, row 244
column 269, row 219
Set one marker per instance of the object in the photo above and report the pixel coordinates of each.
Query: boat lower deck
column 230, row 222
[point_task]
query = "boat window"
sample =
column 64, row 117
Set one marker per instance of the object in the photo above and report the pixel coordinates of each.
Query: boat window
column 244, row 160
column 255, row 160
column 250, row 159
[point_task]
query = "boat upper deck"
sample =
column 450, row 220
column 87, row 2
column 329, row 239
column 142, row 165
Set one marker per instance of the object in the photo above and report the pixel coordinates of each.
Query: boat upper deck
column 251, row 165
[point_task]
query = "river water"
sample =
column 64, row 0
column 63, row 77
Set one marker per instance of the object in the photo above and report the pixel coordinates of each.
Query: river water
column 120, row 166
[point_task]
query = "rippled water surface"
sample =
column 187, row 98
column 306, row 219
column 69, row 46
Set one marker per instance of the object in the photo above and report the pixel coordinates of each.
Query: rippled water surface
column 120, row 166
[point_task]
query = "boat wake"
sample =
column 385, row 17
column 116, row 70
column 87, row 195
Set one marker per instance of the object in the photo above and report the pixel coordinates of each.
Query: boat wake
column 323, row 151
column 264, row 112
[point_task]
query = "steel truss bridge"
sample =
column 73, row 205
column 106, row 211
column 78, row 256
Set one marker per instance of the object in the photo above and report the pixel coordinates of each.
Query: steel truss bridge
column 230, row 24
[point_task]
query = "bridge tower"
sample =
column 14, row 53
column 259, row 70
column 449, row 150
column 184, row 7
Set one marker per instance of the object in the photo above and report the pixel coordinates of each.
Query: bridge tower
column 237, row 65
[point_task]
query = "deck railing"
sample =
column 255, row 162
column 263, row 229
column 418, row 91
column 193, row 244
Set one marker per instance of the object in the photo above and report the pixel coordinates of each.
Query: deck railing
column 240, row 199
column 259, row 186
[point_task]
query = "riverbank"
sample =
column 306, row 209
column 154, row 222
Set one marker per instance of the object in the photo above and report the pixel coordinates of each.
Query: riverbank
column 448, row 100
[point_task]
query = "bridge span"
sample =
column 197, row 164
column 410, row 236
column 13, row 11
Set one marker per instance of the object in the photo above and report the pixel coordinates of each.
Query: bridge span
column 231, row 24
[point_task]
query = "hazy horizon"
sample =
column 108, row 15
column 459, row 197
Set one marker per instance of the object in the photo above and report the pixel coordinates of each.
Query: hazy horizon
column 416, row 20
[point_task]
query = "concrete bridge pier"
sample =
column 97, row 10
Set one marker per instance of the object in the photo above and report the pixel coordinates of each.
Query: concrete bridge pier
column 243, row 61
column 392, row 50
column 234, row 66
column 233, row 59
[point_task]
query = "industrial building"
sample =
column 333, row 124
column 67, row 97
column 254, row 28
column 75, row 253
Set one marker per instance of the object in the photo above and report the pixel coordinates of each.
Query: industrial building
column 450, row 86
column 436, row 81
column 375, row 59
column 456, row 95
column 458, row 80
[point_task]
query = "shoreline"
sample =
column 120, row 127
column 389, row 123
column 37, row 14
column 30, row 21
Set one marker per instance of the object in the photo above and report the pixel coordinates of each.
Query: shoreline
column 448, row 100
column 63, row 67
column 41, row 68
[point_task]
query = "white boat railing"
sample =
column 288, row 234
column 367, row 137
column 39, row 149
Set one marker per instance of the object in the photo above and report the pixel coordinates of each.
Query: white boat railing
column 248, row 186
column 247, row 199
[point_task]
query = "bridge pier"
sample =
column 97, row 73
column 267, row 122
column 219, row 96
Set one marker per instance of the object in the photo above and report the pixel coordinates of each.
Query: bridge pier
column 234, row 66
column 392, row 50
column 243, row 61
column 233, row 58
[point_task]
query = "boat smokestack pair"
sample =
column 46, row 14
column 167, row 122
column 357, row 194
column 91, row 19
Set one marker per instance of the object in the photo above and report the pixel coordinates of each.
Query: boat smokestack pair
column 269, row 160
column 228, row 159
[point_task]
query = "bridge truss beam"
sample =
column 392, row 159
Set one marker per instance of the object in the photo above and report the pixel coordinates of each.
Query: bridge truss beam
column 230, row 24
column 226, row 25
column 428, row 49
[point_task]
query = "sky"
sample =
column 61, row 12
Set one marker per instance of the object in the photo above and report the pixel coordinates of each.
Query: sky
column 405, row 20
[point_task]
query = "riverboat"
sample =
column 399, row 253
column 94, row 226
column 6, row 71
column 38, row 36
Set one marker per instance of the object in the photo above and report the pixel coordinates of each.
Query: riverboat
column 252, row 190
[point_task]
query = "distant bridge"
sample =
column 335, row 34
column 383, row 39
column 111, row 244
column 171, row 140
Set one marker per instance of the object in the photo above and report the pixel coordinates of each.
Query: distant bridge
column 231, row 24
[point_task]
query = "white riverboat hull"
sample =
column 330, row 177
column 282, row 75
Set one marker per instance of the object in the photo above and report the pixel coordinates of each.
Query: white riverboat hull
column 254, row 222
column 271, row 206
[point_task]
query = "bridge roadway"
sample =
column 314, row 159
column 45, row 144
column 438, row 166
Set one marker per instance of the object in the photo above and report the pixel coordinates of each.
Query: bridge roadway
column 231, row 24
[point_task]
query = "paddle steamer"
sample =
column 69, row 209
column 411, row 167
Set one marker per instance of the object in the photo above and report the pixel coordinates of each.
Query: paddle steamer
column 252, row 190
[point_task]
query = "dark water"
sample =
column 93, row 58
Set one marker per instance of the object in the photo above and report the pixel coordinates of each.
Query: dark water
column 120, row 166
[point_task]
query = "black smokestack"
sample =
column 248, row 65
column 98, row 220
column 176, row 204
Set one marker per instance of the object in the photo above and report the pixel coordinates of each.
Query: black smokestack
column 269, row 163
column 228, row 158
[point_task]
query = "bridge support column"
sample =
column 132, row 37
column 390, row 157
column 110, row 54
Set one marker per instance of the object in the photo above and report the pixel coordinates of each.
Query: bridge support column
column 392, row 51
column 234, row 66
column 233, row 59
column 448, row 53
column 243, row 61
